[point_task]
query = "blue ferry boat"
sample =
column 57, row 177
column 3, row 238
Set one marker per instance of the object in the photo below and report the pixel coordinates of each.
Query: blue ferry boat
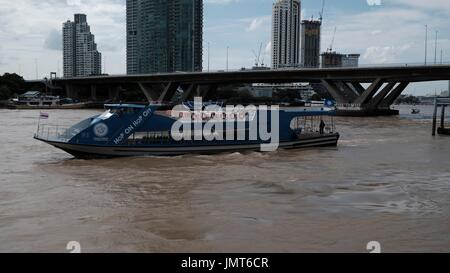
column 147, row 130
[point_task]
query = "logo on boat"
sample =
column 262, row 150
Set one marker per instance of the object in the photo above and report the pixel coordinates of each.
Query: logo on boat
column 101, row 130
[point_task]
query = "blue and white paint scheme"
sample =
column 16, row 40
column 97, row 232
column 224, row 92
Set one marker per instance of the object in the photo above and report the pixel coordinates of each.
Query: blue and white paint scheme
column 143, row 130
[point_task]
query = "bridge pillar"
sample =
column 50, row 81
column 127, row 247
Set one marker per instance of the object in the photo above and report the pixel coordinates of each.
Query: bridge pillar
column 354, row 100
column 149, row 92
column 369, row 93
column 187, row 93
column 71, row 91
column 346, row 91
column 390, row 99
column 113, row 93
column 381, row 95
column 93, row 92
column 209, row 89
column 331, row 87
column 169, row 91
column 357, row 87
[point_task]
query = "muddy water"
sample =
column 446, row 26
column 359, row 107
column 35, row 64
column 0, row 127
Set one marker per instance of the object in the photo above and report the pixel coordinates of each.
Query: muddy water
column 387, row 181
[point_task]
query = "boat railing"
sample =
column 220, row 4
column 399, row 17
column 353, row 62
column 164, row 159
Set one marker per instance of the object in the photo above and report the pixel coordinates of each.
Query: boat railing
column 53, row 132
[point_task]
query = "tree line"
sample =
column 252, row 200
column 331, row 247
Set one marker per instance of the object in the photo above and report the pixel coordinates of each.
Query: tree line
column 11, row 85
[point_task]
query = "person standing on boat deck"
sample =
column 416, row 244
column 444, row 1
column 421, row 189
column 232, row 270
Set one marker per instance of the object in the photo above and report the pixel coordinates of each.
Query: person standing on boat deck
column 322, row 127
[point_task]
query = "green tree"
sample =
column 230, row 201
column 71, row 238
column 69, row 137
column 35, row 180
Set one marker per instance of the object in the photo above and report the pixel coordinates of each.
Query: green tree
column 287, row 95
column 5, row 92
column 12, row 83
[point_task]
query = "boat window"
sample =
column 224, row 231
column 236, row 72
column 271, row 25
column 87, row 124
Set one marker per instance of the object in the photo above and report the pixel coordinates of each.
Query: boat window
column 311, row 124
column 298, row 123
column 106, row 115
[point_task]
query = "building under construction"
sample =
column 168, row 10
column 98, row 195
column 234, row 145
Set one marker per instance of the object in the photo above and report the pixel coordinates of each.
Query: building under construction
column 333, row 59
column 310, row 41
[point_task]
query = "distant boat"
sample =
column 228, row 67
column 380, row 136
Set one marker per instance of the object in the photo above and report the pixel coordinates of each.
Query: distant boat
column 36, row 100
column 415, row 111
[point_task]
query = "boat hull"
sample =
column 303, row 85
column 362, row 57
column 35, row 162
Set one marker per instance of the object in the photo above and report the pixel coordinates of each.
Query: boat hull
column 90, row 151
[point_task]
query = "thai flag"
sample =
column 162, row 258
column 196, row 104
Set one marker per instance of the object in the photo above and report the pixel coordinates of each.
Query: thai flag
column 43, row 115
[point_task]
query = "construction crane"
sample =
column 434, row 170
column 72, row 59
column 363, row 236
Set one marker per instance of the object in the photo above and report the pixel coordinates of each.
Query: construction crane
column 330, row 49
column 258, row 56
column 321, row 13
column 264, row 58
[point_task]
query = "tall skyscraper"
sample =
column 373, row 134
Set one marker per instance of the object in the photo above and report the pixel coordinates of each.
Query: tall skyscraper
column 310, row 39
column 80, row 55
column 164, row 36
column 286, row 21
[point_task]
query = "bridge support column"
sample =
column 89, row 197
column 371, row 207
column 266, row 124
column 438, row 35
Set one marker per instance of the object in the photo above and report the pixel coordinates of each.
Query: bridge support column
column 358, row 87
column 355, row 100
column 187, row 93
column 381, row 95
column 93, row 92
column 334, row 91
column 209, row 89
column 71, row 91
column 348, row 92
column 149, row 92
column 369, row 93
column 113, row 93
column 169, row 91
column 390, row 99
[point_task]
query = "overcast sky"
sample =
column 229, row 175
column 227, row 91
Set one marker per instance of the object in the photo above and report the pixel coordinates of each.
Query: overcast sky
column 382, row 31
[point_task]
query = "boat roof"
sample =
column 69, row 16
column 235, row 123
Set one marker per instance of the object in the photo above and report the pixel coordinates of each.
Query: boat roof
column 115, row 106
column 324, row 111
column 31, row 93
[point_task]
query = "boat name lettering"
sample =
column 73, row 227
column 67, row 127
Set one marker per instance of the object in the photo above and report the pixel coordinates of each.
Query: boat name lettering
column 135, row 124
column 119, row 138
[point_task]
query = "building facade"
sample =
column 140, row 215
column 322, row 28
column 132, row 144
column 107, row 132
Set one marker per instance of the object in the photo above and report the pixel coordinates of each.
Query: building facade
column 286, row 23
column 350, row 60
column 164, row 36
column 310, row 40
column 333, row 59
column 80, row 55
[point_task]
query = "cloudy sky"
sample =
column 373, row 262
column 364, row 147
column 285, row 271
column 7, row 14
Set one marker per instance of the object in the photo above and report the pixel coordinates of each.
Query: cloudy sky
column 382, row 31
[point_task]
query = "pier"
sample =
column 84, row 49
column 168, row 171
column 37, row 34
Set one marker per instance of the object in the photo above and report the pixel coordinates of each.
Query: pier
column 443, row 103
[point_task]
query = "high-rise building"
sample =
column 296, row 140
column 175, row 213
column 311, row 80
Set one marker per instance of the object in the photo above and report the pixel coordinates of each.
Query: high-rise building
column 164, row 36
column 80, row 55
column 310, row 39
column 286, row 21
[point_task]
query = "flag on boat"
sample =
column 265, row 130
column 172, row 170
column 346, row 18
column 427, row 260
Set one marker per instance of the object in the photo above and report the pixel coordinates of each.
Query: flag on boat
column 43, row 115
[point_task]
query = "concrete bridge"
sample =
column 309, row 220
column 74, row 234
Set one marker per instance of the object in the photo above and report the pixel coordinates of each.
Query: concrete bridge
column 357, row 91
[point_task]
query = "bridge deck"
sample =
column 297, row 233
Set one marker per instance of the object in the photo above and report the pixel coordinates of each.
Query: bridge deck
column 360, row 74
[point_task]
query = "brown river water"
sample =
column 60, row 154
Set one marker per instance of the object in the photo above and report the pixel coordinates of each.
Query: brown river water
column 387, row 181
